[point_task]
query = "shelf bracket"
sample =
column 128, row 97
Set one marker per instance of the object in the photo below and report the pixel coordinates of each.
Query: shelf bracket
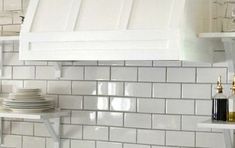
column 229, row 47
column 58, row 70
column 54, row 130
column 228, row 138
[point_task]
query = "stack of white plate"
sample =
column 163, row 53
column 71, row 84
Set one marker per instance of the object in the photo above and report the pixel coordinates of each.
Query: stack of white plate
column 27, row 101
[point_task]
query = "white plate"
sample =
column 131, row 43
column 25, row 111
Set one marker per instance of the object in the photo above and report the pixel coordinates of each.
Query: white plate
column 26, row 104
column 29, row 110
column 27, row 107
column 26, row 100
column 26, row 94
column 26, row 97
column 22, row 90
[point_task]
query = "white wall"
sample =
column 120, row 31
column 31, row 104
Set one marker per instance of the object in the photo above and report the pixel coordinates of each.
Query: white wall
column 115, row 104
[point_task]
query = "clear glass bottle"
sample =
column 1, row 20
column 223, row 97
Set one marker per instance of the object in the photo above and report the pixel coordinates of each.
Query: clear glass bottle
column 219, row 103
column 231, row 104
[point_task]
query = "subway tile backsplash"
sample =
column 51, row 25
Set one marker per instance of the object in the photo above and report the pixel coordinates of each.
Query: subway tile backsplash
column 113, row 104
column 118, row 105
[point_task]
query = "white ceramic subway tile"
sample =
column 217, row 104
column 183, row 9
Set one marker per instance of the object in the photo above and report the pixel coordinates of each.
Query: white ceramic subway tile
column 180, row 106
column 22, row 128
column 72, row 131
column 181, row 75
column 83, row 117
column 110, row 88
column 203, row 107
column 6, row 73
column 59, row 87
column 151, row 137
column 95, row 132
column 123, row 104
column 11, row 29
column 219, row 59
column 70, row 102
column 36, row 63
column 12, row 141
column 6, row 127
column 196, row 91
column 167, row 63
column 195, row 64
column 96, row 103
column 72, row 73
column 111, row 63
column 40, row 130
column 82, row 144
column 65, row 143
column 12, row 5
column 23, row 72
column 138, row 89
column 7, row 45
column 36, row 84
column 215, row 140
column 11, row 59
column 164, row 147
column 151, row 105
column 84, row 88
column 97, row 73
column 137, row 120
column 168, row 122
column 101, row 144
column 1, row 5
column 152, row 74
column 35, row 142
column 190, row 123
column 210, row 75
column 10, row 85
column 124, row 73
column 138, row 63
column 135, row 146
column 91, row 63
column 179, row 138
column 164, row 90
column 5, row 20
column 110, row 118
column 45, row 72
column 122, row 134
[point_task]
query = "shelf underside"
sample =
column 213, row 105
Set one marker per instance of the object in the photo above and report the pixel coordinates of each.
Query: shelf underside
column 217, row 124
column 51, row 114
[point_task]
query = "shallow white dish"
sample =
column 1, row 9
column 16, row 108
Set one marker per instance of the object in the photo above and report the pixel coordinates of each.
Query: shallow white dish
column 29, row 110
column 27, row 107
column 22, row 90
column 26, row 104
column 26, row 100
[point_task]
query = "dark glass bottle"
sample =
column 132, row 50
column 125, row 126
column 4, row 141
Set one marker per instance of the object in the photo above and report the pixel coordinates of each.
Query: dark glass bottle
column 219, row 103
column 231, row 104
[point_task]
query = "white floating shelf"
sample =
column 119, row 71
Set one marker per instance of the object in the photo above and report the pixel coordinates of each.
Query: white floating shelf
column 36, row 116
column 217, row 124
column 51, row 120
column 228, row 40
column 217, row 35
column 228, row 130
column 9, row 38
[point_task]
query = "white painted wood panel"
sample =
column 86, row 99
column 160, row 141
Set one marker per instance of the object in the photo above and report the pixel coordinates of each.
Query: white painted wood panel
column 53, row 15
column 99, row 14
column 106, row 30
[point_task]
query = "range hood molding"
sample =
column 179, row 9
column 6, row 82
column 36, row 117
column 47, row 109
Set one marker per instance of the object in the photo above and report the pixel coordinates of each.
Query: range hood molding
column 133, row 36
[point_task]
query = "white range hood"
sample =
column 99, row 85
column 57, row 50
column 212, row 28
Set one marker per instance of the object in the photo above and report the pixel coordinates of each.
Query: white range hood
column 104, row 30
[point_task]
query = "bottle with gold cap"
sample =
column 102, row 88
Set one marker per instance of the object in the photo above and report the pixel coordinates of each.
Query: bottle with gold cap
column 219, row 103
column 231, row 104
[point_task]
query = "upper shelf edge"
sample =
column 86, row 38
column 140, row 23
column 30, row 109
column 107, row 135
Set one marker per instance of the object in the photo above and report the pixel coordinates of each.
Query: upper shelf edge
column 217, row 35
